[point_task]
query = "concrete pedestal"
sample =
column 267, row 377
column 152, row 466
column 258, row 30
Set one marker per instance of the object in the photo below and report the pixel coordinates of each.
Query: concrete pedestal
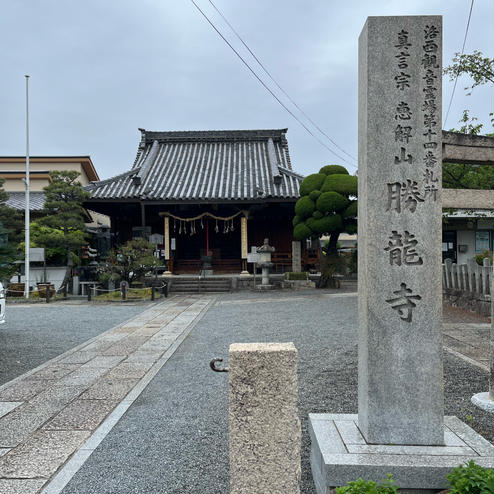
column 340, row 453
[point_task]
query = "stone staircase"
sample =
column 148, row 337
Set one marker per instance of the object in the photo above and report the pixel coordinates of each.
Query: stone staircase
column 200, row 285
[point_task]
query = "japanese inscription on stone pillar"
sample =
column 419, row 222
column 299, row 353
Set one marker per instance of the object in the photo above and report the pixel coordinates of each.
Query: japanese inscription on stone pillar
column 167, row 237
column 400, row 380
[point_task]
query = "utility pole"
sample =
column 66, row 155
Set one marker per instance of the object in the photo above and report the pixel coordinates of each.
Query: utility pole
column 26, row 215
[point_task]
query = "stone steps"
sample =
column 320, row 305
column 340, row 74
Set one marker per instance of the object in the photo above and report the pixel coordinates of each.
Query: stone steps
column 203, row 285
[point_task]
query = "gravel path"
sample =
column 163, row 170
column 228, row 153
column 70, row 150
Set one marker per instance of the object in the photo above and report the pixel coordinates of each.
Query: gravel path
column 174, row 438
column 35, row 333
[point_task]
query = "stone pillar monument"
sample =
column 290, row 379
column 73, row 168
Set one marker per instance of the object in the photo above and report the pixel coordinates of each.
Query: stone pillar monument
column 244, row 242
column 400, row 426
column 399, row 221
column 166, row 242
column 296, row 256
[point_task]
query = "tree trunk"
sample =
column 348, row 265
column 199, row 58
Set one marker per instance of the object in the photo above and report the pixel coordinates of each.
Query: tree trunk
column 333, row 242
column 68, row 271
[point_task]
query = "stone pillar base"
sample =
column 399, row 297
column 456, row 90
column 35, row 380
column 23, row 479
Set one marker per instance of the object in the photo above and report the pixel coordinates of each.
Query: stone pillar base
column 340, row 454
column 244, row 273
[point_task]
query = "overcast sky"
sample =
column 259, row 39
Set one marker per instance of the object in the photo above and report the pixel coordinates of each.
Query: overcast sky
column 101, row 69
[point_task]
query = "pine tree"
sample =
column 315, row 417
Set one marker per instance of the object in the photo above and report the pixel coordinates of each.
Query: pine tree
column 11, row 233
column 64, row 213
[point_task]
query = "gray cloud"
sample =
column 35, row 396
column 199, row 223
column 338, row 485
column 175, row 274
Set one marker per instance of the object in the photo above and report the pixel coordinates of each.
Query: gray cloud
column 99, row 70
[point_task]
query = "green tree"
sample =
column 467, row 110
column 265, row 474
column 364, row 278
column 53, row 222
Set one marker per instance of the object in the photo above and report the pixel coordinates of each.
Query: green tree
column 327, row 205
column 478, row 67
column 11, row 233
column 129, row 262
column 8, row 256
column 64, row 217
column 11, row 219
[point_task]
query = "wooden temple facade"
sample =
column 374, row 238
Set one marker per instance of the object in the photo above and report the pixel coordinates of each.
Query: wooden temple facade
column 200, row 192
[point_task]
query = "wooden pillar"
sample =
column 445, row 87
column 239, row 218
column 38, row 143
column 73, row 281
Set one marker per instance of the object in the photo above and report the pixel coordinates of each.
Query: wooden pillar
column 167, row 243
column 244, row 242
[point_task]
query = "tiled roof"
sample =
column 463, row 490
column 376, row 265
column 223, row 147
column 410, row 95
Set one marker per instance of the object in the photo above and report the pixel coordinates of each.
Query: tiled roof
column 232, row 165
column 17, row 200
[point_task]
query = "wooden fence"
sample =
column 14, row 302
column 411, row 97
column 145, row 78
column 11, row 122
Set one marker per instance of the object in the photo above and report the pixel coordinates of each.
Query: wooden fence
column 469, row 277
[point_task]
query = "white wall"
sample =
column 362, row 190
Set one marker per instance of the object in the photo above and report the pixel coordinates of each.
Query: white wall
column 53, row 275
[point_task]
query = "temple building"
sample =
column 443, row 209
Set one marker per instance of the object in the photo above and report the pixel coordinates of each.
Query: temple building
column 201, row 193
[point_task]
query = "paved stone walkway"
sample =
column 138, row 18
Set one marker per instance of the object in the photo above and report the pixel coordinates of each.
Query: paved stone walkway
column 48, row 414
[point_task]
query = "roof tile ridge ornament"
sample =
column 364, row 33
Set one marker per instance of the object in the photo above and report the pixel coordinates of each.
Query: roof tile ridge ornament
column 273, row 160
column 146, row 166
column 288, row 171
column 94, row 184
column 141, row 146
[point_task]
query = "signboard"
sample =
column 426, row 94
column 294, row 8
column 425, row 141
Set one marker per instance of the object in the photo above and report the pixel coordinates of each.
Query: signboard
column 37, row 254
column 253, row 257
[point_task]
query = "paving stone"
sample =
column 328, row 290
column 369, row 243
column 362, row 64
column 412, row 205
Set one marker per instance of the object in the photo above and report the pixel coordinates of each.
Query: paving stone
column 110, row 389
column 24, row 486
column 130, row 370
column 55, row 371
column 104, row 362
column 82, row 415
column 7, row 406
column 84, row 376
column 144, row 356
column 24, row 420
column 25, row 389
column 78, row 358
column 42, row 455
column 98, row 346
column 125, row 329
column 126, row 346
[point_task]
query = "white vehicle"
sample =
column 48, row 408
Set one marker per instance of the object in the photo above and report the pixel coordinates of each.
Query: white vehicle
column 2, row 304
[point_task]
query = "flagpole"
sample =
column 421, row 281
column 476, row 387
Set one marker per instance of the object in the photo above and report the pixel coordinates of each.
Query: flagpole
column 26, row 264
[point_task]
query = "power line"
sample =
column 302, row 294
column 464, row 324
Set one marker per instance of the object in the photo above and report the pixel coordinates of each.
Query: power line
column 458, row 71
column 267, row 87
column 277, row 84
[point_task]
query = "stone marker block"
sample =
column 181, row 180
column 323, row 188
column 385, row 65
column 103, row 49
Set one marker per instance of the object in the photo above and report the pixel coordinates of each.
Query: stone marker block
column 399, row 220
column 296, row 256
column 265, row 432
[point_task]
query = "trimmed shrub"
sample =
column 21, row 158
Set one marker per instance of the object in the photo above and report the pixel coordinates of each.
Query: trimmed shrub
column 332, row 169
column 351, row 211
column 317, row 215
column 301, row 231
column 304, row 207
column 315, row 194
column 331, row 202
column 344, row 184
column 311, row 182
column 361, row 486
column 350, row 226
column 296, row 220
column 326, row 224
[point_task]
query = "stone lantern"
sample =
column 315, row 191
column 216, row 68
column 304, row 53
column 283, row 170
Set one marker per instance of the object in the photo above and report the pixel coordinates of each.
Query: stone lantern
column 265, row 262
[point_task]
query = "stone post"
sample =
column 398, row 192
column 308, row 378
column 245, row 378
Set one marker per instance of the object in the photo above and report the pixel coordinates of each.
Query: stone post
column 296, row 256
column 491, row 355
column 400, row 298
column 265, row 432
column 166, row 241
